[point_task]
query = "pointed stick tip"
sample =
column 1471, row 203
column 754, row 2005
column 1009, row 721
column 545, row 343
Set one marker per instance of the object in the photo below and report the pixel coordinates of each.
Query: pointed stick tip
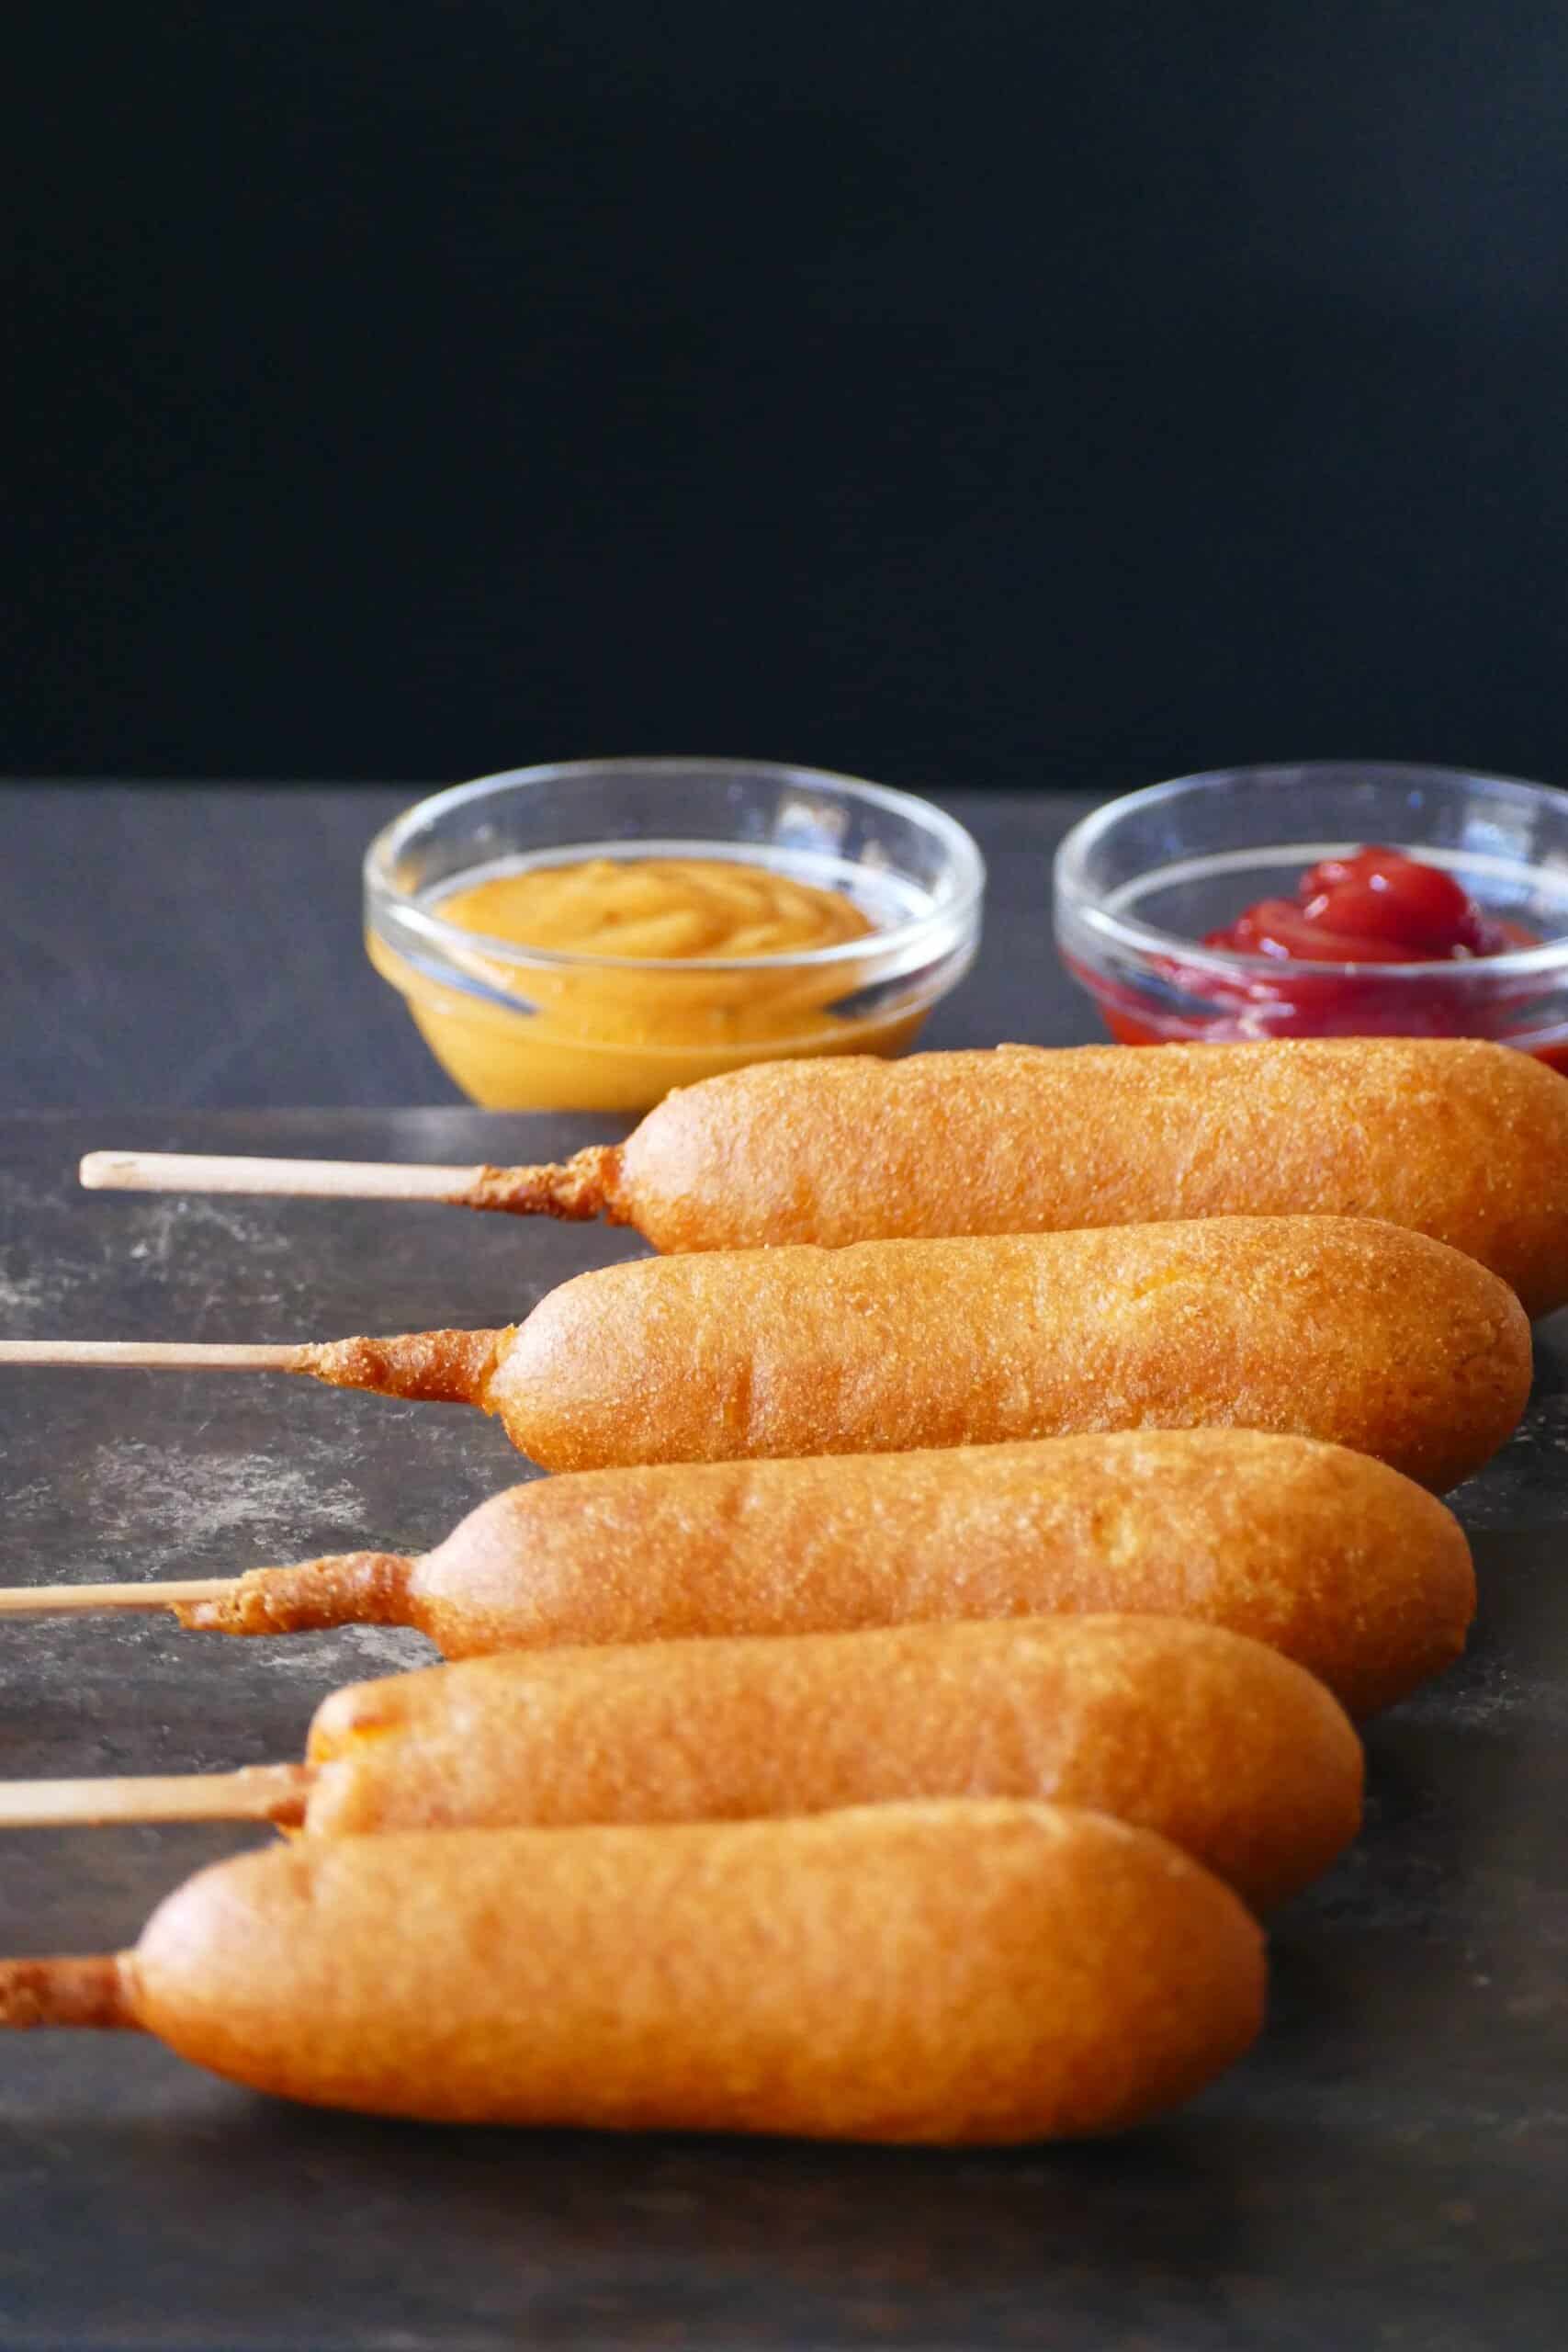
column 106, row 1172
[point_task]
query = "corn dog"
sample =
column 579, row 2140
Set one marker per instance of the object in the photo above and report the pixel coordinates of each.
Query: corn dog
column 1334, row 1328
column 1324, row 1554
column 949, row 1973
column 1458, row 1138
column 1337, row 1327
column 1455, row 1137
column 1220, row 1745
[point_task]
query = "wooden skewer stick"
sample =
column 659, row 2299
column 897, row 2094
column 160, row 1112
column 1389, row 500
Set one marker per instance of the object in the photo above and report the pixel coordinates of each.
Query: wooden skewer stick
column 72, row 1600
column 302, row 1596
column 577, row 1189
column 275, row 1792
column 344, row 1179
column 435, row 1367
column 163, row 1355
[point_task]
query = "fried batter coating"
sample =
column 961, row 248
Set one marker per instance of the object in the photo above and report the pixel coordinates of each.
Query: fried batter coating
column 1222, row 1746
column 966, row 1972
column 1361, row 1333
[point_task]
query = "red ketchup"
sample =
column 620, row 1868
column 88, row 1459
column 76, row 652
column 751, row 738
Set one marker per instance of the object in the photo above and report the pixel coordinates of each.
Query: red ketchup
column 1375, row 907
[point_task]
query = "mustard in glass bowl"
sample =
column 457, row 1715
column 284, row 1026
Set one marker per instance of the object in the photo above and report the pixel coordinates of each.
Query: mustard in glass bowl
column 587, row 935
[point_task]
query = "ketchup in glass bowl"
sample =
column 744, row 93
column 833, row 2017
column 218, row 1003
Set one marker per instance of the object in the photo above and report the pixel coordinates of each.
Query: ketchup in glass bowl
column 1327, row 900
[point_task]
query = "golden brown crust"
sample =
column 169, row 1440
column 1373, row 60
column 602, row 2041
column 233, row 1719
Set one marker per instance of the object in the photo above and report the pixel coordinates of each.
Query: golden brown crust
column 435, row 1367
column 1455, row 1137
column 955, row 1973
column 340, row 1588
column 575, row 1189
column 1323, row 1554
column 1218, row 1744
column 1342, row 1328
column 93, row 1991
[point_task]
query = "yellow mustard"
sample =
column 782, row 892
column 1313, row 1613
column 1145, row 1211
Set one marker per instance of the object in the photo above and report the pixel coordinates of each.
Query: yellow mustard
column 599, row 1037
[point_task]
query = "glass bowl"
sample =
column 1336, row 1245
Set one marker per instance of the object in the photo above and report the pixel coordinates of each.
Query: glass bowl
column 1139, row 883
column 524, row 1028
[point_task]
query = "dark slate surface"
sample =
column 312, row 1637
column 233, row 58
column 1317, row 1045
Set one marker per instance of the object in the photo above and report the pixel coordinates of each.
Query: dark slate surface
column 1390, row 2168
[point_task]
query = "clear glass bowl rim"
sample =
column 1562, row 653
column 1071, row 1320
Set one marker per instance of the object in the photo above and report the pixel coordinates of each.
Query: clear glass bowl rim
column 454, row 942
column 1126, row 932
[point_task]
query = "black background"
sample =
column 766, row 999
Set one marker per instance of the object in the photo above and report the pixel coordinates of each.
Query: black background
column 999, row 394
